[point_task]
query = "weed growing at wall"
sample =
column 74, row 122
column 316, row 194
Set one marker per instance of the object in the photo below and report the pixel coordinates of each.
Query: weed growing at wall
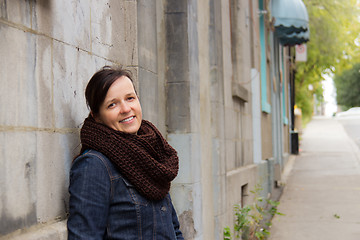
column 253, row 221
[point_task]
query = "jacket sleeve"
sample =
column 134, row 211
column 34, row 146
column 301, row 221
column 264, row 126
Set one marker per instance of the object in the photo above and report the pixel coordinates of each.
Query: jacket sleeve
column 176, row 223
column 89, row 198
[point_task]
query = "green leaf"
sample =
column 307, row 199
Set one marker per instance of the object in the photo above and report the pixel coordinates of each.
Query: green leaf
column 333, row 47
column 227, row 233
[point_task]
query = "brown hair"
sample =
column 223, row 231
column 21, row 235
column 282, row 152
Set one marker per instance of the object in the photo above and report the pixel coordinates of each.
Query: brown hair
column 99, row 85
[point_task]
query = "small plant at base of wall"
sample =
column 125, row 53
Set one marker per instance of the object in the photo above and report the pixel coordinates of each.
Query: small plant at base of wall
column 253, row 221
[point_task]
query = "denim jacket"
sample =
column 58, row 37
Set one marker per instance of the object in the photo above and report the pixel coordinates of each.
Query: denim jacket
column 104, row 205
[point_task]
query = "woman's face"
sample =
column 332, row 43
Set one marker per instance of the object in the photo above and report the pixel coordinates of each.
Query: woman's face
column 121, row 108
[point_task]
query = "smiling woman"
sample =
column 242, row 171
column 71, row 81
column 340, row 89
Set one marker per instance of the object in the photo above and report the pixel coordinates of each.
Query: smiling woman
column 121, row 108
column 119, row 185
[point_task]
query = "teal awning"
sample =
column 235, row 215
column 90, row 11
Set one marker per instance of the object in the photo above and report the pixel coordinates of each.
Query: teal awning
column 291, row 21
column 294, row 38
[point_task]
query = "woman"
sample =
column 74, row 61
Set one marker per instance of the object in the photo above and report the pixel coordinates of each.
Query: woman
column 119, row 185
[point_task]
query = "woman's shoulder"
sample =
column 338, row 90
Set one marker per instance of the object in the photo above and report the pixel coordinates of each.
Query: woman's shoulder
column 95, row 160
column 91, row 157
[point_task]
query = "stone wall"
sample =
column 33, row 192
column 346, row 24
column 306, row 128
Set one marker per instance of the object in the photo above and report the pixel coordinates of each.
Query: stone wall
column 48, row 52
column 197, row 71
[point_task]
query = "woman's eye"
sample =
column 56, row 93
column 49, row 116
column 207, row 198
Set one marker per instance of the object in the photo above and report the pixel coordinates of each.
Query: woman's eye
column 131, row 98
column 111, row 105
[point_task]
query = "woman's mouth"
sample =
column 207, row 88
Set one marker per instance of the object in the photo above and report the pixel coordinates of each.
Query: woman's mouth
column 127, row 119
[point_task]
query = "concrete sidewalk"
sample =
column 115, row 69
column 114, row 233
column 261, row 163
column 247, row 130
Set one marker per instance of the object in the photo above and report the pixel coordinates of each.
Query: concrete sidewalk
column 321, row 198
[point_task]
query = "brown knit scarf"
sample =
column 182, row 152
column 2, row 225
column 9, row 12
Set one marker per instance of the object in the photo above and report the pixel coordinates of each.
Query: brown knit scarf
column 145, row 159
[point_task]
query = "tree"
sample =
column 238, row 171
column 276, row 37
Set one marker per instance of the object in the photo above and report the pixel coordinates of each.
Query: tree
column 348, row 87
column 334, row 32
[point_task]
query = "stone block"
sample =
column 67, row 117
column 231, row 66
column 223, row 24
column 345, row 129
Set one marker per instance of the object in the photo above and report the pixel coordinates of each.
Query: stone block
column 187, row 200
column 52, row 167
column 239, row 92
column 230, row 154
column 232, row 123
column 177, row 48
column 18, row 92
column 114, row 31
column 196, row 108
column 175, row 6
column 188, row 148
column 228, row 99
column 226, row 31
column 219, row 188
column 248, row 153
column 66, row 21
column 149, row 95
column 263, row 173
column 55, row 231
column 271, row 173
column 18, row 180
column 18, row 12
column 44, row 78
column 217, row 87
column 178, row 107
column 72, row 70
column 239, row 153
column 220, row 224
column 248, row 107
column 234, row 182
column 213, row 51
column 218, row 156
column 182, row 197
column 147, row 35
column 217, row 120
column 247, row 127
column 246, row 62
column 198, row 206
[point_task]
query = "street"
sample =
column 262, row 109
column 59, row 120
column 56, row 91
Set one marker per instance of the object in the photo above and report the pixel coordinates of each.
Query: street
column 352, row 127
column 321, row 196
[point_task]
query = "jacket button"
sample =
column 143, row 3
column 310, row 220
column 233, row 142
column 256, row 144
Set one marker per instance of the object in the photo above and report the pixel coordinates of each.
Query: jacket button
column 163, row 208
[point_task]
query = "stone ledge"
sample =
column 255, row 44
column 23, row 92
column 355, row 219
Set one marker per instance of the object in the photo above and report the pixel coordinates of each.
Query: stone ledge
column 54, row 231
column 239, row 92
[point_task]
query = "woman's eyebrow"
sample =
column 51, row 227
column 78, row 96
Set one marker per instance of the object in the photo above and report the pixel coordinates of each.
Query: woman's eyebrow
column 109, row 101
column 130, row 94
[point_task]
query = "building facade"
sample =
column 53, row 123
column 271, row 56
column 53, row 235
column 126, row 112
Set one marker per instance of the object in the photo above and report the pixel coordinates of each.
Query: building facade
column 211, row 76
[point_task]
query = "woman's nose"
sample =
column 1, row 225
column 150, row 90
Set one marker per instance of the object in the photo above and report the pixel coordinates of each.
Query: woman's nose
column 124, row 107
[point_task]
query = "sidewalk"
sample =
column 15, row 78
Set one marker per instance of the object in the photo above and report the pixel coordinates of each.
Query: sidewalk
column 321, row 199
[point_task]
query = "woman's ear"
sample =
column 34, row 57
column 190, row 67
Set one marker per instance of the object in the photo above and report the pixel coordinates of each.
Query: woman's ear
column 94, row 116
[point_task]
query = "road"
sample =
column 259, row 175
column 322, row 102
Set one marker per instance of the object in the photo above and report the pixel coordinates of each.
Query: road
column 352, row 127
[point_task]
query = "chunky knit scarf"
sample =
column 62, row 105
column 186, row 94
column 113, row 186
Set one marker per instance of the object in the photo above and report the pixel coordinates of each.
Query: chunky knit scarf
column 145, row 159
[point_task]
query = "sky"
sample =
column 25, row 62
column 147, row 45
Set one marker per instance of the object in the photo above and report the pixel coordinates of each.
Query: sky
column 329, row 95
